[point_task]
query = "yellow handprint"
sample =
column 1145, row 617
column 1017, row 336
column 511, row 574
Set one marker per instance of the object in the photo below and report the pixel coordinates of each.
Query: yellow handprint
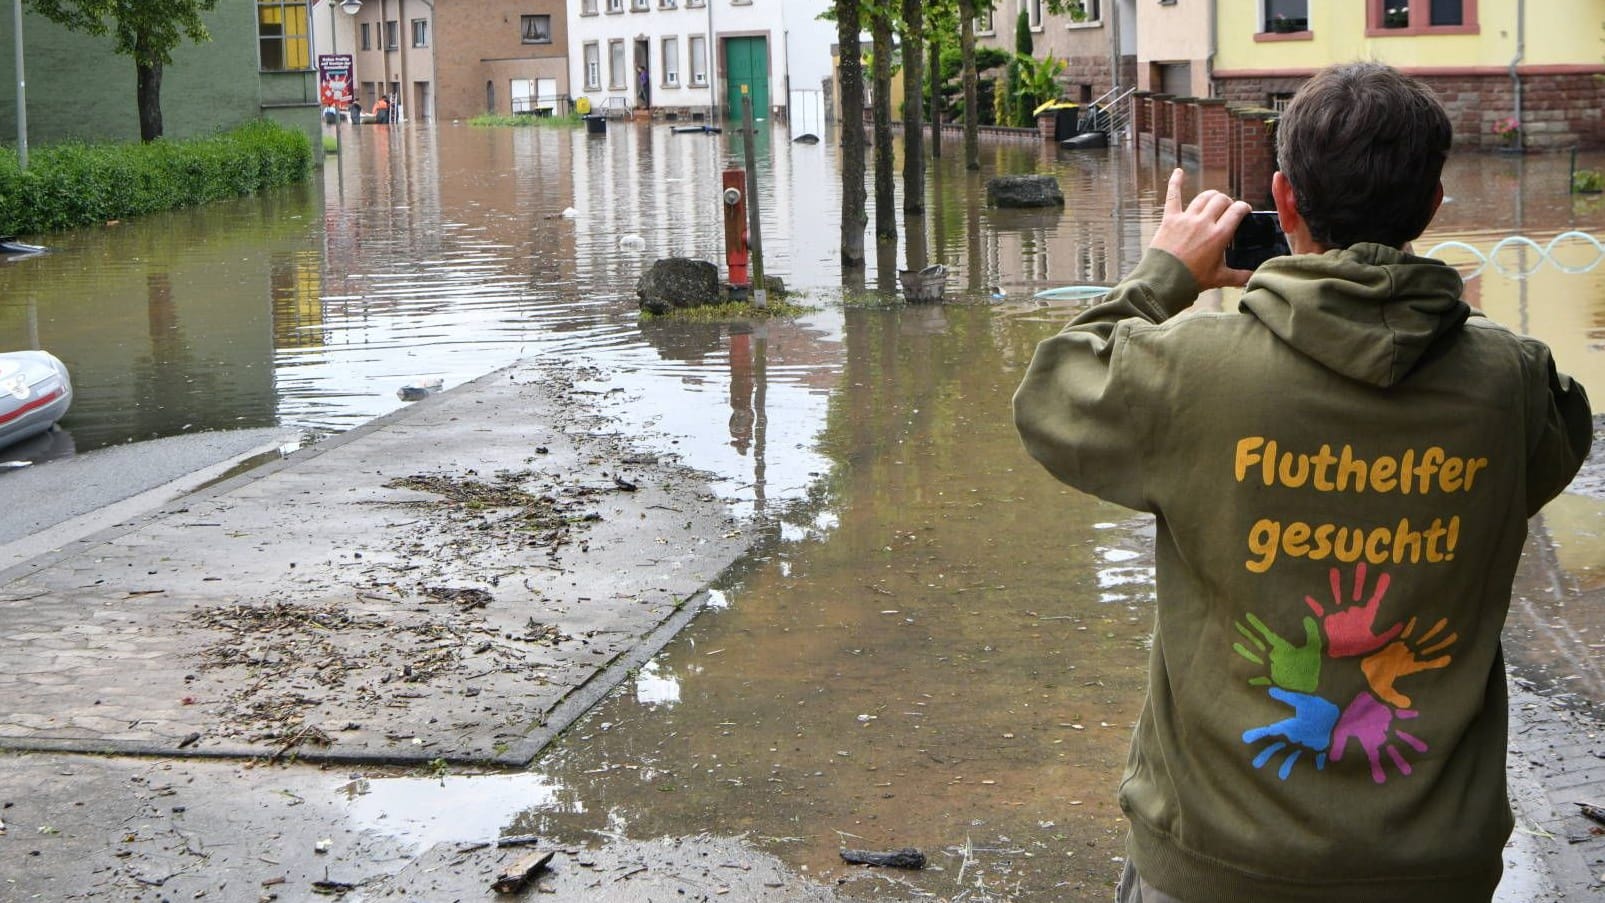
column 1398, row 659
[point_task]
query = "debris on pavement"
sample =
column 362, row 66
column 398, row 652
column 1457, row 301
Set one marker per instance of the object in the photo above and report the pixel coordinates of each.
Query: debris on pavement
column 518, row 875
column 906, row 858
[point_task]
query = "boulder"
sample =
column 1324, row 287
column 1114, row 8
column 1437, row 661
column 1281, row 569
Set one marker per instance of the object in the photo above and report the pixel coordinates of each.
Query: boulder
column 678, row 282
column 1024, row 191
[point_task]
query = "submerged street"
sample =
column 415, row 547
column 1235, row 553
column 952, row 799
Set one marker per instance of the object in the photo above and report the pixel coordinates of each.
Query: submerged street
column 923, row 640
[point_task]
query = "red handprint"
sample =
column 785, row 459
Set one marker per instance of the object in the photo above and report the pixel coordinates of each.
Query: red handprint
column 1370, row 722
column 1349, row 631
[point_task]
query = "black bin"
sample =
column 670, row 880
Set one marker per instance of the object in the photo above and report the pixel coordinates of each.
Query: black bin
column 1066, row 122
column 596, row 124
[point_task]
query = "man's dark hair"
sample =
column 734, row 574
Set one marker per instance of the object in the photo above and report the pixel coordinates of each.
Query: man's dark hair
column 1363, row 146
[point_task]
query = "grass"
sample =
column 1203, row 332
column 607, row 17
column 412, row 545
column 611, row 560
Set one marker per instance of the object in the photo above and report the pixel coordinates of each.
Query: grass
column 525, row 120
column 719, row 313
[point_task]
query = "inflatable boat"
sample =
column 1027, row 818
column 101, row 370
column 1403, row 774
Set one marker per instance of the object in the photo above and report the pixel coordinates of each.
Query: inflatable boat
column 35, row 392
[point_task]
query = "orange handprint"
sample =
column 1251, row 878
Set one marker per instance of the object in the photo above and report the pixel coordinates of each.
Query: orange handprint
column 1398, row 660
column 1349, row 631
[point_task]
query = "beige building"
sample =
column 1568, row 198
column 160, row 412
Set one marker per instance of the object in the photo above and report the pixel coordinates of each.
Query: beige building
column 452, row 59
column 1096, row 43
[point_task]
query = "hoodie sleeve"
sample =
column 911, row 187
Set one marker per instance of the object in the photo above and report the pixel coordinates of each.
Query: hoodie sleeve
column 1560, row 427
column 1078, row 410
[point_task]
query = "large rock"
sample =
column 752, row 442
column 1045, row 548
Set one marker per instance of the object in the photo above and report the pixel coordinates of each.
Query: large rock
column 1024, row 191
column 678, row 282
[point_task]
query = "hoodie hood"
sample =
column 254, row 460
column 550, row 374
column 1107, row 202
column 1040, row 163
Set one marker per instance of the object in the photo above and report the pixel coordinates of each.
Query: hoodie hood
column 1369, row 312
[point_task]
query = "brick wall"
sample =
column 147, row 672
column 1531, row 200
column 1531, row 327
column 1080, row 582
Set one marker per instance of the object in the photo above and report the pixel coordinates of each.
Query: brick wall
column 1558, row 110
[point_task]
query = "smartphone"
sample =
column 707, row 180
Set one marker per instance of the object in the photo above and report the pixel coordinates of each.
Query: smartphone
column 1258, row 238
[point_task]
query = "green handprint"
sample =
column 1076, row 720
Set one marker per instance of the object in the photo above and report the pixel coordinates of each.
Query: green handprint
column 1296, row 668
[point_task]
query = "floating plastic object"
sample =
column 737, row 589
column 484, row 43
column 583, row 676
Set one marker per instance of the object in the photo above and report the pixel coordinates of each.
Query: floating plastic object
column 570, row 213
column 924, row 285
column 806, row 138
column 1072, row 292
column 632, row 242
column 422, row 387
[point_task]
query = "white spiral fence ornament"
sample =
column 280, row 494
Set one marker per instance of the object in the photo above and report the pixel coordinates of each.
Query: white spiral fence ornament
column 1542, row 253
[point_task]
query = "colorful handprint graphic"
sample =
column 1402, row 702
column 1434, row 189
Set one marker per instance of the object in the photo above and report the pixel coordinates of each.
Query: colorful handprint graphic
column 1309, row 728
column 1370, row 721
column 1350, row 631
column 1398, row 659
column 1344, row 630
column 1292, row 667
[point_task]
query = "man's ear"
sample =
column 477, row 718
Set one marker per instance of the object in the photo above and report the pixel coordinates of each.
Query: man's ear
column 1286, row 207
column 1437, row 201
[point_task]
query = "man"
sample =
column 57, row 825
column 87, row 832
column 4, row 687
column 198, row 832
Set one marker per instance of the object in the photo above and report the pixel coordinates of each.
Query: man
column 1342, row 472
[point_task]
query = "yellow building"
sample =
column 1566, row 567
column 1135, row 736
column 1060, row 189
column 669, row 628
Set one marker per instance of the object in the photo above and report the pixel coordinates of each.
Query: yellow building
column 1494, row 63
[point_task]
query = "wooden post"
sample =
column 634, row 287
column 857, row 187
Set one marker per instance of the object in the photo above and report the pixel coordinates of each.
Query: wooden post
column 760, row 292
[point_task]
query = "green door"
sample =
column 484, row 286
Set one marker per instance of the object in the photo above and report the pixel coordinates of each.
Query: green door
column 746, row 62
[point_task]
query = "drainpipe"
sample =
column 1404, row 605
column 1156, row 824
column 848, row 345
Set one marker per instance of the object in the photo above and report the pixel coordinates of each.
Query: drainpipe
column 1515, row 74
column 1214, row 45
column 712, row 53
column 1114, row 45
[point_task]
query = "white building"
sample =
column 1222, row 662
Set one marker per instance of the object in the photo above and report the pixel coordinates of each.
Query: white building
column 691, row 58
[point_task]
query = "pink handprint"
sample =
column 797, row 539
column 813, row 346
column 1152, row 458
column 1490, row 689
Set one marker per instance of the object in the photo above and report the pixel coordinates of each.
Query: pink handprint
column 1370, row 722
column 1349, row 631
column 1398, row 659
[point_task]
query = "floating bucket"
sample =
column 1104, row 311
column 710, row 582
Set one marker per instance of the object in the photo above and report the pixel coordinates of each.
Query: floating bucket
column 924, row 285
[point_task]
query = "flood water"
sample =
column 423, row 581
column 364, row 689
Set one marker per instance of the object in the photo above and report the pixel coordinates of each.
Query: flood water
column 937, row 646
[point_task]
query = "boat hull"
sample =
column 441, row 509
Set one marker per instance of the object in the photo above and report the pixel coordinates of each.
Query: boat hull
column 35, row 392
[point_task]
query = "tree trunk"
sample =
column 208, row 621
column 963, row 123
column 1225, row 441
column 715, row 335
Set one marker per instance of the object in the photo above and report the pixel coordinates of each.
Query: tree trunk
column 936, row 95
column 880, row 29
column 148, row 95
column 972, row 116
column 851, row 73
column 913, row 107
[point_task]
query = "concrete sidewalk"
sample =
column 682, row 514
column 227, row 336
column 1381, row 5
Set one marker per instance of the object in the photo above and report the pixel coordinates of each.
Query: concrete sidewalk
column 434, row 585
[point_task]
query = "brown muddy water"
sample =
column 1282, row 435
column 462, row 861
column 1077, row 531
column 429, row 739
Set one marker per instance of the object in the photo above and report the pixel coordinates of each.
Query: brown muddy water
column 936, row 645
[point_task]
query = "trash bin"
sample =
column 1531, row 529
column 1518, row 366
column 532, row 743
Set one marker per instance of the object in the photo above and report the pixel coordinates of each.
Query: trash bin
column 595, row 124
column 1066, row 122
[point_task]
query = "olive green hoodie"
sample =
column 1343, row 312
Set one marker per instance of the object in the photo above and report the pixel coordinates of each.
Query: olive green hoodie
column 1342, row 472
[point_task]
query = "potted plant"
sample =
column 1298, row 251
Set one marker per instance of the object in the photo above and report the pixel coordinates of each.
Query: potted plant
column 1281, row 24
column 1508, row 131
column 1588, row 181
column 1077, row 10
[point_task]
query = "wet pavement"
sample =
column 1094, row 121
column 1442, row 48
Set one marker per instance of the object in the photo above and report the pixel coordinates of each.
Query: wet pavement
column 931, row 644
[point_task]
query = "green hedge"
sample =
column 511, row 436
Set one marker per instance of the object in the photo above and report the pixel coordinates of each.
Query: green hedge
column 73, row 184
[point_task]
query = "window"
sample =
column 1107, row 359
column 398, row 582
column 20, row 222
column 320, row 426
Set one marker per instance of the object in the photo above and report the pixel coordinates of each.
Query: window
column 615, row 65
column 593, row 67
column 699, row 60
column 984, row 23
column 420, row 32
column 695, row 4
column 1285, row 16
column 1393, row 17
column 367, row 37
column 671, row 62
column 392, row 34
column 666, row 4
column 1034, row 13
column 615, row 6
column 535, row 29
column 283, row 38
column 640, row 6
column 587, row 7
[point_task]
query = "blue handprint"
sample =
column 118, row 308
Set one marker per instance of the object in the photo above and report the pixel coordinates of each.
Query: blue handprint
column 1309, row 728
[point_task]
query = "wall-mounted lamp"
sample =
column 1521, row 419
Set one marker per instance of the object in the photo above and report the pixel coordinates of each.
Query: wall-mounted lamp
column 351, row 7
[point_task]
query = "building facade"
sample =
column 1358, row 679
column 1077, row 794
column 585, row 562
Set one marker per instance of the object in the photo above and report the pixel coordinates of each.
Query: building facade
column 258, row 64
column 1097, row 43
column 1494, row 63
column 684, row 58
